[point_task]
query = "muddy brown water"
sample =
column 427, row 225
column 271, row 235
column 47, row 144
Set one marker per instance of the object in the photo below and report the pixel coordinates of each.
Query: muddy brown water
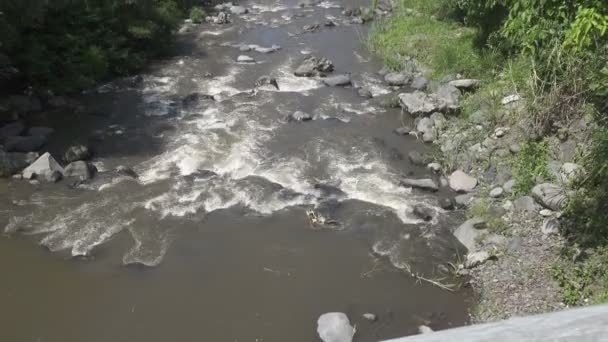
column 212, row 242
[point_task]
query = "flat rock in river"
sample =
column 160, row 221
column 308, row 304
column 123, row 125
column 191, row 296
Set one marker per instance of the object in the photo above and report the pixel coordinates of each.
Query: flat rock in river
column 314, row 66
column 337, row 80
column 424, row 183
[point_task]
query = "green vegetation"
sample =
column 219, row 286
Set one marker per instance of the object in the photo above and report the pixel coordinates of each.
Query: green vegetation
column 65, row 45
column 482, row 208
column 554, row 55
column 197, row 15
column 529, row 166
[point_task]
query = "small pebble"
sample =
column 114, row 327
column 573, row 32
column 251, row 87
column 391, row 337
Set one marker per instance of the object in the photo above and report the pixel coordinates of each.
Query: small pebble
column 499, row 133
column 546, row 213
column 496, row 192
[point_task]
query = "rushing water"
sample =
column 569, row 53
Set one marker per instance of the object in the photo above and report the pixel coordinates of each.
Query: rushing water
column 219, row 208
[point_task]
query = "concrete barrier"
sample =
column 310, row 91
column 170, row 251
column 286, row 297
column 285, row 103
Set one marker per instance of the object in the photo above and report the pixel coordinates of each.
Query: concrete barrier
column 588, row 324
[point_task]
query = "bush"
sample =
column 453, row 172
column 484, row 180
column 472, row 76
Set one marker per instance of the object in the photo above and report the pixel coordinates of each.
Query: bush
column 197, row 15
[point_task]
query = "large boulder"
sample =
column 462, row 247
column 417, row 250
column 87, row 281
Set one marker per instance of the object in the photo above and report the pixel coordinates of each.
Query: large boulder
column 335, row 327
column 12, row 163
column 314, row 66
column 44, row 167
column 423, row 184
column 25, row 144
column 77, row 152
column 470, row 232
column 549, row 196
column 337, row 80
column 461, row 182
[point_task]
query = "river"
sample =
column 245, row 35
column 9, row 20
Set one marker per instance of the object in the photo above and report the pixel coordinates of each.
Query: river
column 212, row 241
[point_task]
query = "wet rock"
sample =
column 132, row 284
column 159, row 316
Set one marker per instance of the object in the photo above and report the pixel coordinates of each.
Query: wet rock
column 25, row 144
column 549, row 196
column 11, row 163
column 403, row 130
column 79, row 169
column 308, row 3
column 77, row 152
column 299, row 116
column 476, row 259
column 470, row 232
column 266, row 50
column 397, row 79
column 370, row 317
column 313, row 66
column 222, row 18
column 364, row 92
column 192, row 99
column 419, row 103
column 335, row 327
column 550, row 226
column 461, row 182
column 52, row 177
column 423, row 212
column 44, row 168
column 238, row 10
column 311, row 28
column 357, row 20
column 126, row 171
column 10, row 130
column 337, row 80
column 423, row 329
column 245, row 59
column 418, row 158
column 349, row 12
column 267, row 81
column 496, row 192
column 423, row 184
column 446, row 203
column 465, row 84
column 427, row 128
column 419, row 83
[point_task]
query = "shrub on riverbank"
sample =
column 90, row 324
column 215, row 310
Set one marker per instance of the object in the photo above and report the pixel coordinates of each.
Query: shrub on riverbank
column 553, row 55
column 69, row 45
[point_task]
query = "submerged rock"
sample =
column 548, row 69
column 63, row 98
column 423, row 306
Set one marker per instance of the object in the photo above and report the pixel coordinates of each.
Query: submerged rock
column 245, row 59
column 364, row 92
column 299, row 116
column 44, row 167
column 126, row 171
column 314, row 66
column 80, row 169
column 423, row 212
column 335, row 327
column 337, row 80
column 423, row 184
column 267, row 81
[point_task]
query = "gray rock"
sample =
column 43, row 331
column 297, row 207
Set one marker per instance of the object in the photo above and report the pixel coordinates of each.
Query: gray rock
column 44, row 167
column 423, row 184
column 335, row 327
column 397, row 79
column 370, row 317
column 446, row 203
column 514, row 148
column 12, row 129
column 77, row 152
column 550, row 226
column 427, row 128
column 329, row 23
column 525, row 204
column 419, row 83
column 337, row 80
column 222, row 18
column 423, row 212
column 79, row 169
column 549, row 196
column 508, row 186
column 418, row 158
column 238, row 10
column 449, row 96
column 435, row 167
column 496, row 192
column 570, row 172
column 423, row 330
column 40, row 131
column 52, row 177
column 403, row 130
column 546, row 213
column 465, row 84
column 470, row 232
column 314, row 66
column 245, row 59
column 311, row 28
column 11, row 163
column 419, row 103
column 267, row 81
column 463, row 201
column 357, row 20
column 299, row 116
column 476, row 259
column 25, row 144
column 461, row 182
column 439, row 120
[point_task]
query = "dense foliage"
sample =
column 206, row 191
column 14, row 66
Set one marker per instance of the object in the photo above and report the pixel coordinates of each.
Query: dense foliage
column 66, row 45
